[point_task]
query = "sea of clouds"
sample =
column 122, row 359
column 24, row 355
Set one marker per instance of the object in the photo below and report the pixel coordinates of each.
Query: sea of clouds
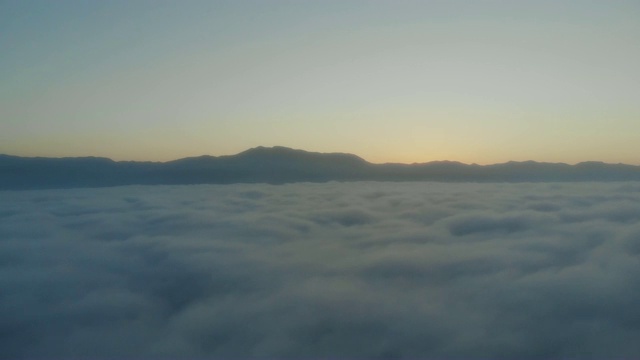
column 355, row 270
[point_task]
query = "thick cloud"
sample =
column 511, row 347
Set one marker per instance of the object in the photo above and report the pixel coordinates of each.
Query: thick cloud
column 361, row 270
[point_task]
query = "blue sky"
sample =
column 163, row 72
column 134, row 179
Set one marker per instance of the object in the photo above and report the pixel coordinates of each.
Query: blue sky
column 401, row 81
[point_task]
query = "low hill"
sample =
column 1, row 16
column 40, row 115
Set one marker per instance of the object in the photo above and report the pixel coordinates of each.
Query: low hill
column 277, row 165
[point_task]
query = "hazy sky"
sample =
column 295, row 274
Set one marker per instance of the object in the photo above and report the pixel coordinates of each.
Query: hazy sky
column 403, row 81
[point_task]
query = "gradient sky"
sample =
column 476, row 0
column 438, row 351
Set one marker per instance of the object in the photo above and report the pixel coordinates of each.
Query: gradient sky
column 392, row 81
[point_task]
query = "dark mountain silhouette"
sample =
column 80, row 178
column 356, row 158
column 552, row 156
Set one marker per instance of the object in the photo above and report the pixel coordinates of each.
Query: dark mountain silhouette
column 279, row 165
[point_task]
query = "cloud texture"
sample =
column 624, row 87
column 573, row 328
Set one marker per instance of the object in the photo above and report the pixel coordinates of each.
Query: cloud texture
column 384, row 270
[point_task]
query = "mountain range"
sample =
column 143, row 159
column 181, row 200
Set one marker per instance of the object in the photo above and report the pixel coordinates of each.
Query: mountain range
column 278, row 165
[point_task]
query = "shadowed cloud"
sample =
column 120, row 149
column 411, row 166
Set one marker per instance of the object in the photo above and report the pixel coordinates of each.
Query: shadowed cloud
column 363, row 269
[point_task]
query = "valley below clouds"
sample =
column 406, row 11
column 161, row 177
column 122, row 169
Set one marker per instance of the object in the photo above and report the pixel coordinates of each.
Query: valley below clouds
column 341, row 270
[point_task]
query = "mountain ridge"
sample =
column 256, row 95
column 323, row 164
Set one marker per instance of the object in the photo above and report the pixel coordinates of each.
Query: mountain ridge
column 278, row 165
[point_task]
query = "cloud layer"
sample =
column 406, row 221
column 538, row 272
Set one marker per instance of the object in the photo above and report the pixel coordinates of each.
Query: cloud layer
column 305, row 270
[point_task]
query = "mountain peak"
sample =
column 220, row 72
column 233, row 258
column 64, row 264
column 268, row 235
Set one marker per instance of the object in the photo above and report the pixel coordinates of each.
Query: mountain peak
column 275, row 151
column 270, row 150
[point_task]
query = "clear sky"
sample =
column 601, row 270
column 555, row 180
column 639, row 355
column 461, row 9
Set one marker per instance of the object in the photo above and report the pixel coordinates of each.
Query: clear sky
column 392, row 81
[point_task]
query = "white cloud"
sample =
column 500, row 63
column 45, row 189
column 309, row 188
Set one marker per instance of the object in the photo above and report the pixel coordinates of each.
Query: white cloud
column 350, row 270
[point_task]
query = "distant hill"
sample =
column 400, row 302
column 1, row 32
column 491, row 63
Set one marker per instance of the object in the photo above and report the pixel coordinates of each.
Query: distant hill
column 278, row 165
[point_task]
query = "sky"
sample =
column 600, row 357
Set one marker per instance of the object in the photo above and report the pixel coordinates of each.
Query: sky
column 391, row 81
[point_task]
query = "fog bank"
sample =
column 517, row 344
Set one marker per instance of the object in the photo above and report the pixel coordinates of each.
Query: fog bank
column 360, row 269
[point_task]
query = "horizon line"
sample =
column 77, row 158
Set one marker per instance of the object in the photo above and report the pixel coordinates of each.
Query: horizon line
column 322, row 153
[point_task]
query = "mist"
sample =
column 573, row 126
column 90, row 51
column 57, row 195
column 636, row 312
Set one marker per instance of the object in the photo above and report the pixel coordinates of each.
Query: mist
column 361, row 269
